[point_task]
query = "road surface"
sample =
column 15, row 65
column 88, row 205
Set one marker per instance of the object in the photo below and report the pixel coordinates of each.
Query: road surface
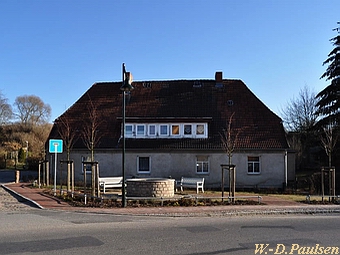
column 50, row 232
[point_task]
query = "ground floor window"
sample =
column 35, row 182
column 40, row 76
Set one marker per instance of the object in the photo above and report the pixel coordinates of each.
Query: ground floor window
column 253, row 165
column 88, row 166
column 143, row 164
column 202, row 164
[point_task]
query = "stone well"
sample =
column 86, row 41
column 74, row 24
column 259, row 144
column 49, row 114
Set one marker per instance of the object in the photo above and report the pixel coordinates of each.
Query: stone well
column 150, row 187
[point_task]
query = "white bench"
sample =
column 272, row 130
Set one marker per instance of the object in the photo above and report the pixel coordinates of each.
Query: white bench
column 110, row 182
column 189, row 182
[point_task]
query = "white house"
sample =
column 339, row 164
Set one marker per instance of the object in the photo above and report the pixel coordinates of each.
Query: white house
column 174, row 127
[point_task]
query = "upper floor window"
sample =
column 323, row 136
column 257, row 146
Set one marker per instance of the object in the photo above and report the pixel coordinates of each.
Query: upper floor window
column 128, row 130
column 253, row 165
column 152, row 130
column 166, row 130
column 140, row 130
column 175, row 129
column 200, row 129
column 187, row 130
column 163, row 130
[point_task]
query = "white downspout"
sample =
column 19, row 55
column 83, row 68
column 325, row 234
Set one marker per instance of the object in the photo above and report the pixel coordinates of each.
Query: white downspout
column 286, row 169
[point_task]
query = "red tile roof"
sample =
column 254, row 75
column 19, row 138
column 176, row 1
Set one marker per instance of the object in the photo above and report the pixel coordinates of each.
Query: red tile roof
column 180, row 101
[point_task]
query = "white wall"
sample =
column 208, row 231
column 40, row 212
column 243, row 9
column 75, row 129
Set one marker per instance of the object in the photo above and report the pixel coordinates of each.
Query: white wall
column 177, row 164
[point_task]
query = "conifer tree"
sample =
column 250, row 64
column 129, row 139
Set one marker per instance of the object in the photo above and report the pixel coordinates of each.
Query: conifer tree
column 329, row 98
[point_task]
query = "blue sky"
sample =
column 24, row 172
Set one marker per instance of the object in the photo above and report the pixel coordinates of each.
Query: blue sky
column 56, row 49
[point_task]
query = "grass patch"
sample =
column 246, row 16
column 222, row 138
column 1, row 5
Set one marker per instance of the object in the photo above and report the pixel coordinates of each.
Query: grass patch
column 290, row 197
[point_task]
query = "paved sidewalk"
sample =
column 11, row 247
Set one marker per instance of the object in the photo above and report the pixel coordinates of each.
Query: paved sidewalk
column 273, row 205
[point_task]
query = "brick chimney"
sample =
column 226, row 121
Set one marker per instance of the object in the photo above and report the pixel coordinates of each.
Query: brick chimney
column 218, row 76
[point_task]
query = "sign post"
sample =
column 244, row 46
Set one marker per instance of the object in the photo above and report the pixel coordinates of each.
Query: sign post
column 56, row 146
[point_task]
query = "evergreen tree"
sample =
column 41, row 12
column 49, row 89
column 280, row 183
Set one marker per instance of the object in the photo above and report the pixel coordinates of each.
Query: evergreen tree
column 329, row 98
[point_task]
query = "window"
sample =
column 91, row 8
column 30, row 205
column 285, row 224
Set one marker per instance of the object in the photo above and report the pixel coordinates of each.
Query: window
column 166, row 130
column 143, row 164
column 152, row 130
column 140, row 130
column 163, row 130
column 187, row 130
column 128, row 130
column 202, row 164
column 253, row 165
column 88, row 166
column 174, row 129
column 200, row 129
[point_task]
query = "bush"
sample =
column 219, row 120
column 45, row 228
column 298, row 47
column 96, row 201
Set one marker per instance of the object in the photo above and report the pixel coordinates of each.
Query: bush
column 32, row 163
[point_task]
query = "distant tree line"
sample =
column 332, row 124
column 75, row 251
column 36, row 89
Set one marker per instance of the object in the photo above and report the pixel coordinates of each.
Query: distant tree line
column 24, row 129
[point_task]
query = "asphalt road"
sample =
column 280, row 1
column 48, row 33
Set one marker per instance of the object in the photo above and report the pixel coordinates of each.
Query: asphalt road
column 27, row 230
column 56, row 232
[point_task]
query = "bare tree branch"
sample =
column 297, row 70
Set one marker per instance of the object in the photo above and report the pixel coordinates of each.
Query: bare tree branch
column 229, row 138
column 329, row 140
column 67, row 134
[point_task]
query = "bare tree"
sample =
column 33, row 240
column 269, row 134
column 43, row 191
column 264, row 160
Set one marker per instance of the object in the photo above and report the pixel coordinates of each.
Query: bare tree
column 31, row 110
column 300, row 113
column 5, row 110
column 229, row 138
column 68, row 135
column 299, row 119
column 329, row 139
column 91, row 135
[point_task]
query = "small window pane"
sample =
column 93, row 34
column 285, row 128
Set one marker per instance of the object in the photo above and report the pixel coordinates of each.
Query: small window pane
column 200, row 129
column 175, row 129
column 140, row 130
column 164, row 129
column 128, row 130
column 187, row 129
column 152, row 130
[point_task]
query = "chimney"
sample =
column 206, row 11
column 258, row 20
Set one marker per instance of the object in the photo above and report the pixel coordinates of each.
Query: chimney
column 218, row 77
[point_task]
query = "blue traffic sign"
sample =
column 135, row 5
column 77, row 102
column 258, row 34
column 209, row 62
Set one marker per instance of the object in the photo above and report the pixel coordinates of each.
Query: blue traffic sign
column 56, row 146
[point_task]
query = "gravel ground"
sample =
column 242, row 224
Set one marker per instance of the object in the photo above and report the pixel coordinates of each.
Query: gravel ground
column 9, row 203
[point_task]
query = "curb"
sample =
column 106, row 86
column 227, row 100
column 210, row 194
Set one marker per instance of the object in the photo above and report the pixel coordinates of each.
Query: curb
column 16, row 194
column 298, row 210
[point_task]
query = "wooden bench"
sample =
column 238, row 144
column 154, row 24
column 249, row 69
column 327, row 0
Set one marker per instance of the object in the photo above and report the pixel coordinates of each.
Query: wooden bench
column 192, row 182
column 110, row 182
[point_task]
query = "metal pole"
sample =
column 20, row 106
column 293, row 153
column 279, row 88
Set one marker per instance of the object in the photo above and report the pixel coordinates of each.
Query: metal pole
column 55, row 168
column 322, row 183
column 123, row 152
